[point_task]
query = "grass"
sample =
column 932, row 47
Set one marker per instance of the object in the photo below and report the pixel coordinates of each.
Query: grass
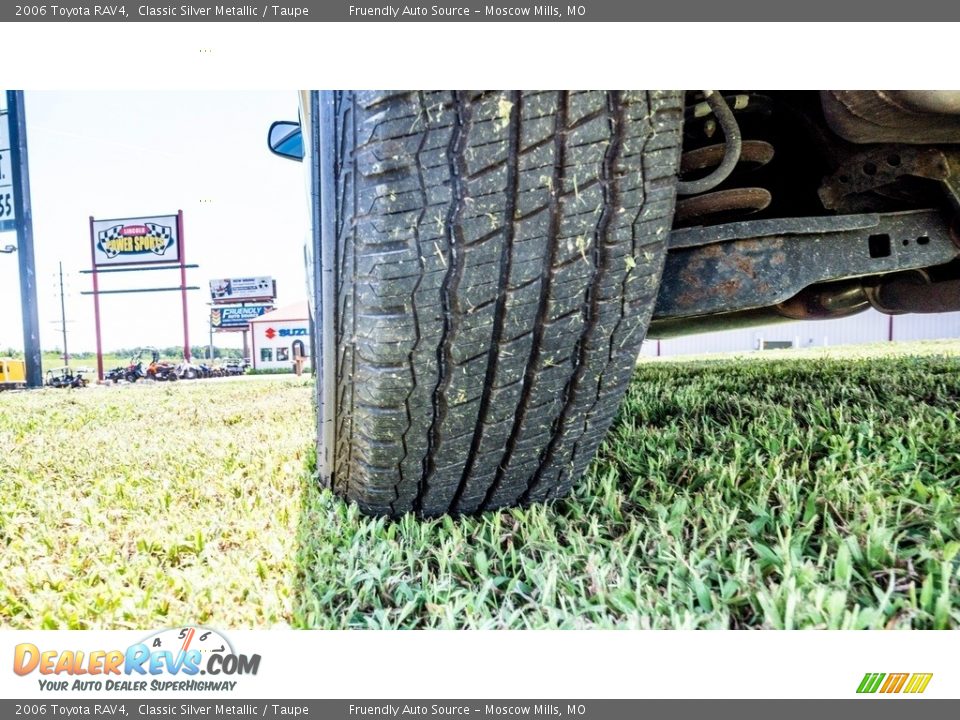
column 110, row 361
column 768, row 493
column 143, row 505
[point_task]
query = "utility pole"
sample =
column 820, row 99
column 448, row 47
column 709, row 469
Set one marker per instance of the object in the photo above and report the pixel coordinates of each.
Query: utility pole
column 23, row 215
column 63, row 320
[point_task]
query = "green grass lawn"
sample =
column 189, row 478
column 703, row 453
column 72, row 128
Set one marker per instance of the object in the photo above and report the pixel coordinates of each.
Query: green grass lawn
column 762, row 492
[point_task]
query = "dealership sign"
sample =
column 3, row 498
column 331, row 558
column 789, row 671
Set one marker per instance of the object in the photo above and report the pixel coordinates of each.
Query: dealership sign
column 7, row 215
column 230, row 290
column 236, row 318
column 136, row 241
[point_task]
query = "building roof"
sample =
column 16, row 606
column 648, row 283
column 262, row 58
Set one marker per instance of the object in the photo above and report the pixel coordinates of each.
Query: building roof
column 297, row 311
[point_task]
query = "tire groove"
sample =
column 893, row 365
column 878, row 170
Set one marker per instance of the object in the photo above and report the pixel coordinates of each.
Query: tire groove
column 529, row 373
column 447, row 295
column 506, row 262
column 591, row 301
column 413, row 311
column 623, row 311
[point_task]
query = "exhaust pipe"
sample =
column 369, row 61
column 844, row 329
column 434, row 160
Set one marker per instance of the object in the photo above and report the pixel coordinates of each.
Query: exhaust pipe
column 893, row 294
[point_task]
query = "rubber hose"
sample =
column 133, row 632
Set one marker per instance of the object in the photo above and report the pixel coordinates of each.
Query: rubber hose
column 731, row 152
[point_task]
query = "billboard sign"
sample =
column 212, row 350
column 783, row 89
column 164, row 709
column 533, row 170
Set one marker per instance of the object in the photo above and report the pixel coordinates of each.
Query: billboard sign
column 136, row 241
column 236, row 318
column 7, row 213
column 232, row 290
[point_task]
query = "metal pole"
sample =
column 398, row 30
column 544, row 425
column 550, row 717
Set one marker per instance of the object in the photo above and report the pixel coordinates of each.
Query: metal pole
column 24, row 224
column 210, row 355
column 183, row 287
column 96, row 304
column 63, row 320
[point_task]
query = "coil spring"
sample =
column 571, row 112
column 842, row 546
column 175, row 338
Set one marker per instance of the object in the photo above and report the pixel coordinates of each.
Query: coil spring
column 725, row 203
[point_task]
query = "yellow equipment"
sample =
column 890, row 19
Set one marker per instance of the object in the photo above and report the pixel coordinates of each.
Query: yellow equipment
column 13, row 374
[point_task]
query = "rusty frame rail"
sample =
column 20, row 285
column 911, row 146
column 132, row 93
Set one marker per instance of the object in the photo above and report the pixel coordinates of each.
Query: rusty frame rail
column 746, row 266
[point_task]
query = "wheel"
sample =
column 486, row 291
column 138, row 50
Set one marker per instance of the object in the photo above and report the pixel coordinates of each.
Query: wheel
column 497, row 258
column 191, row 374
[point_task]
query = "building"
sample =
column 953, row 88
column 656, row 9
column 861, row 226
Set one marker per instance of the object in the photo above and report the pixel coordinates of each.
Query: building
column 866, row 327
column 278, row 335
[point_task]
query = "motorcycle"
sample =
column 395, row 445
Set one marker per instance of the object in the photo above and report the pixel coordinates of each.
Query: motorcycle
column 134, row 372
column 65, row 377
column 188, row 371
column 160, row 370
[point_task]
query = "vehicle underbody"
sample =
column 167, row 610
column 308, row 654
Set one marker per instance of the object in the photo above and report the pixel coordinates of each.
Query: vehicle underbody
column 836, row 202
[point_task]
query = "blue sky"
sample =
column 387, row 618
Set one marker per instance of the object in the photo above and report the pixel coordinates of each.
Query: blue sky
column 122, row 154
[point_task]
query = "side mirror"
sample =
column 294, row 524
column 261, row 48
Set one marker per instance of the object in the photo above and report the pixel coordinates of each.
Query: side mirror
column 286, row 140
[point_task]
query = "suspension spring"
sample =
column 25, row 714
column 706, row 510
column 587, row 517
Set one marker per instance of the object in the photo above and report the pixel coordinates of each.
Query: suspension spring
column 713, row 173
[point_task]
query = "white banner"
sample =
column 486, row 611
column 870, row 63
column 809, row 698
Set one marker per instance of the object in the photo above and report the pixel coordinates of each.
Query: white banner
column 230, row 290
column 472, row 664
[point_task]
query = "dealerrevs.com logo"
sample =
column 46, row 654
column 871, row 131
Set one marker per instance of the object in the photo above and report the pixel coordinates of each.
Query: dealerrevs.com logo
column 168, row 660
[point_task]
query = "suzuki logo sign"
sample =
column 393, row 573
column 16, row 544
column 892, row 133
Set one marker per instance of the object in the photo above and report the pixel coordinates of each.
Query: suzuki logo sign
column 284, row 332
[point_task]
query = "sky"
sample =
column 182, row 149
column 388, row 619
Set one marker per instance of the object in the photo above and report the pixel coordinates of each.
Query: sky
column 128, row 154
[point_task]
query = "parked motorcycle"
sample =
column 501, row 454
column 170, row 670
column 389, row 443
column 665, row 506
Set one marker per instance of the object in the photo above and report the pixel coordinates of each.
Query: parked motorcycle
column 134, row 371
column 160, row 370
column 65, row 377
column 188, row 371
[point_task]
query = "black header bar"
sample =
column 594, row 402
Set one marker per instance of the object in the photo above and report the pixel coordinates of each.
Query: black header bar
column 492, row 11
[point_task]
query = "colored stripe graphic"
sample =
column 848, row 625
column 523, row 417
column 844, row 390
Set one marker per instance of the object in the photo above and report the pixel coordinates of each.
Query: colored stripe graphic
column 893, row 683
column 918, row 682
column 870, row 682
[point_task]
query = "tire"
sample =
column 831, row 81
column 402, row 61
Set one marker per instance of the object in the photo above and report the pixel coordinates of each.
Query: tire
column 497, row 260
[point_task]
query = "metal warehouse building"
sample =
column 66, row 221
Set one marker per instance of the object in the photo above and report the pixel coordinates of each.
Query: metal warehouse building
column 866, row 327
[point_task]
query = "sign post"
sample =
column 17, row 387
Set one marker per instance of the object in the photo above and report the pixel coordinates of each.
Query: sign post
column 183, row 287
column 15, row 200
column 96, row 302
